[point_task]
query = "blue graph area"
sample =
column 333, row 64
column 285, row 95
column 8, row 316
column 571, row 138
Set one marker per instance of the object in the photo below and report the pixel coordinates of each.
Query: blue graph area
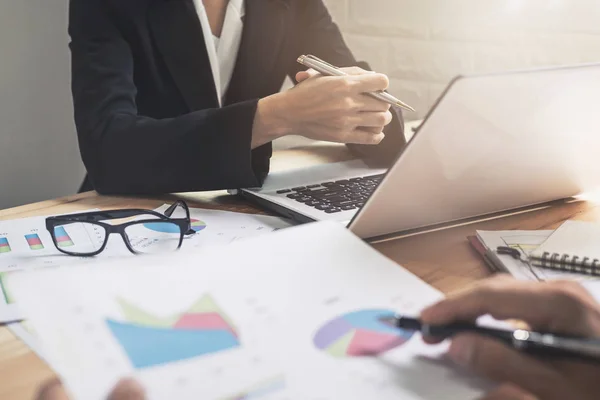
column 369, row 320
column 148, row 347
column 163, row 227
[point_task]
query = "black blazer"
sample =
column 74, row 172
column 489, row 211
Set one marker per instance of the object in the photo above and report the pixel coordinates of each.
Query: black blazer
column 146, row 110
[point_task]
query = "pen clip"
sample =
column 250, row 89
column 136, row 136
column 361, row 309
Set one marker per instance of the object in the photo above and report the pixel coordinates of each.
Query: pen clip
column 509, row 251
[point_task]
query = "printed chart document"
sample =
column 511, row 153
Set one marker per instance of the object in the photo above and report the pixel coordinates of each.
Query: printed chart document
column 26, row 244
column 224, row 227
column 291, row 316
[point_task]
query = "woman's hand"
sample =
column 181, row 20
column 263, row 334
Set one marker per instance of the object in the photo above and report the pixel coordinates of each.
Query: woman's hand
column 333, row 109
column 560, row 307
column 126, row 389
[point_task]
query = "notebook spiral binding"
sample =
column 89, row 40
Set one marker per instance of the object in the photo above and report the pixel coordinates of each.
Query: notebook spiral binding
column 570, row 263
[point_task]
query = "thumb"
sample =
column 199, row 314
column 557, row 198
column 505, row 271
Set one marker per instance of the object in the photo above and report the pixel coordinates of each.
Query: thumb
column 494, row 360
column 128, row 389
column 52, row 390
column 304, row 75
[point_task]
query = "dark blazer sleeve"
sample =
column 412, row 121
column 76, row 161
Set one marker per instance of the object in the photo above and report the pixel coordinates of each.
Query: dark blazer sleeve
column 317, row 34
column 127, row 153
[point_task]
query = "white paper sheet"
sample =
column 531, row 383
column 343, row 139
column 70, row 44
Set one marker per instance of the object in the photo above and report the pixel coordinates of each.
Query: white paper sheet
column 220, row 227
column 224, row 227
column 28, row 244
column 303, row 305
column 215, row 227
column 575, row 239
column 25, row 243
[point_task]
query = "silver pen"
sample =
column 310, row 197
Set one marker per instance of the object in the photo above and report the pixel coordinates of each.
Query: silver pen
column 325, row 68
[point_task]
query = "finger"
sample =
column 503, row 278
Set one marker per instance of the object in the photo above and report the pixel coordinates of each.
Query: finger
column 364, row 136
column 432, row 339
column 304, row 75
column 373, row 130
column 492, row 359
column 368, row 103
column 356, row 71
column 373, row 119
column 368, row 82
column 431, row 314
column 541, row 305
column 311, row 73
column 509, row 392
column 52, row 390
column 128, row 389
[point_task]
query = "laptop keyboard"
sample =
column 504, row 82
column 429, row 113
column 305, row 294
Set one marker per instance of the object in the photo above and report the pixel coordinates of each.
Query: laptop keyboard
column 337, row 196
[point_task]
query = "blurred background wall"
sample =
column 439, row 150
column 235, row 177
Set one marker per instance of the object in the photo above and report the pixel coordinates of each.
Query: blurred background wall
column 39, row 156
column 420, row 44
column 423, row 44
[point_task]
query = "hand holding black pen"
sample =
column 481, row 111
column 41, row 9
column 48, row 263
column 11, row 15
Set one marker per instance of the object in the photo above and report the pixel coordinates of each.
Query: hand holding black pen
column 544, row 345
column 539, row 370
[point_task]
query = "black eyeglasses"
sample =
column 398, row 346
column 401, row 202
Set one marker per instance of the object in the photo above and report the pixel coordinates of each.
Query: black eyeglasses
column 86, row 234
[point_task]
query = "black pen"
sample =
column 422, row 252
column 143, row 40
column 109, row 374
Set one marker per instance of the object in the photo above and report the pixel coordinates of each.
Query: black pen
column 535, row 343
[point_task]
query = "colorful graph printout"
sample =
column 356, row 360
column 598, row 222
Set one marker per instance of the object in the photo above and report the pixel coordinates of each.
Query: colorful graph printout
column 150, row 340
column 62, row 237
column 359, row 333
column 34, row 241
column 4, row 245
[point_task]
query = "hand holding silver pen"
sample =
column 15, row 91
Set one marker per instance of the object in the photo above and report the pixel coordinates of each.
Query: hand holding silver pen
column 327, row 69
column 332, row 109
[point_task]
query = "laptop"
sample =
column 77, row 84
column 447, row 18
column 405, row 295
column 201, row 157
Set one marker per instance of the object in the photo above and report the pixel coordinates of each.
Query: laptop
column 490, row 144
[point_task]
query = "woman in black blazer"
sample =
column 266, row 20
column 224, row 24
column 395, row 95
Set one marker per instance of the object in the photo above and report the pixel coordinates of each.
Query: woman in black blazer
column 148, row 116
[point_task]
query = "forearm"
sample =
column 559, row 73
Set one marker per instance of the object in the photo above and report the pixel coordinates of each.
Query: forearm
column 270, row 122
column 204, row 150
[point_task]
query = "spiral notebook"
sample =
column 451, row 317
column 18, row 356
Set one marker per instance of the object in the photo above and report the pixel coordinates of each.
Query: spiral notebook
column 574, row 247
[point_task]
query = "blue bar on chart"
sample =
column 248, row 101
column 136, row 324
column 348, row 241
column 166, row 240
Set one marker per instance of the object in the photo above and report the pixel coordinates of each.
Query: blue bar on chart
column 4, row 245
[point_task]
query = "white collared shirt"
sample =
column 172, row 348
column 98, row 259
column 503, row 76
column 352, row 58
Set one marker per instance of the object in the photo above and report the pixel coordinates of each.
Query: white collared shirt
column 223, row 51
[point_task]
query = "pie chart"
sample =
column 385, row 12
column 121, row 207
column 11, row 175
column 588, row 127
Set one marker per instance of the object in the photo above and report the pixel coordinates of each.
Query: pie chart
column 359, row 333
column 198, row 225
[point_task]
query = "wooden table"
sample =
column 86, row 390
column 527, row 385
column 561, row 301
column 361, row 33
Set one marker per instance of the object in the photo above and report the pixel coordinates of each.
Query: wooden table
column 443, row 258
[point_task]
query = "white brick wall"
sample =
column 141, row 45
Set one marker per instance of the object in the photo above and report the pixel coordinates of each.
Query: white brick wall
column 422, row 44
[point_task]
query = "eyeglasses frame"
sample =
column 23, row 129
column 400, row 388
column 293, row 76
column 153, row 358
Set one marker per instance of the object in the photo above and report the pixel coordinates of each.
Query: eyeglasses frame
column 96, row 218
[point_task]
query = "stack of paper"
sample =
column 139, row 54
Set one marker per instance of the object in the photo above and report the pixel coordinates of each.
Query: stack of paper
column 26, row 245
column 294, row 315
